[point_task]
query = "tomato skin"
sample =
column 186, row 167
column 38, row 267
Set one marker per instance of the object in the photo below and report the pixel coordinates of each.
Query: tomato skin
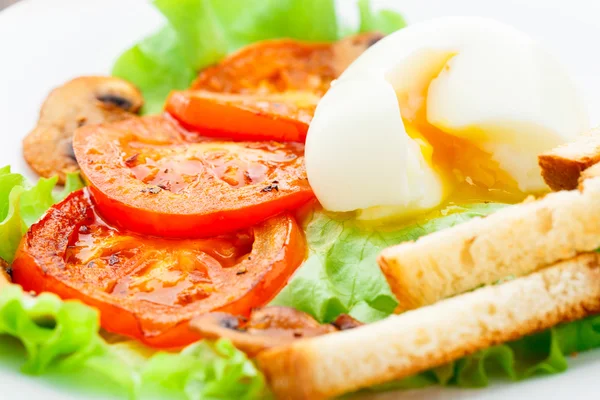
column 165, row 224
column 241, row 117
column 127, row 163
column 45, row 261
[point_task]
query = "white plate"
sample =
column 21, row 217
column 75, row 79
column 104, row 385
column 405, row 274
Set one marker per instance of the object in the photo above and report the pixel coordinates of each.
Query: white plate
column 43, row 43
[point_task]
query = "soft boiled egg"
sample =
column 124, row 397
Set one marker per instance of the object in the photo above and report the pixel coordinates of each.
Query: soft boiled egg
column 449, row 109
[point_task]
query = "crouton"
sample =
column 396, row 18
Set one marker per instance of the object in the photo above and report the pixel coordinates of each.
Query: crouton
column 562, row 166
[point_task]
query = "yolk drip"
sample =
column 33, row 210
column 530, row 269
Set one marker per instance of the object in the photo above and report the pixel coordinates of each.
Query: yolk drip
column 470, row 174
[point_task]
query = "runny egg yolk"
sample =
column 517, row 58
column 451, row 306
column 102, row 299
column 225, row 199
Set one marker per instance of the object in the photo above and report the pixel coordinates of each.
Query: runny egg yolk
column 446, row 112
column 469, row 173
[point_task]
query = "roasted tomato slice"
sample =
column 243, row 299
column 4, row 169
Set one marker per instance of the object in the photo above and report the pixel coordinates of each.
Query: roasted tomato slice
column 274, row 66
column 150, row 288
column 150, row 176
column 273, row 116
column 267, row 91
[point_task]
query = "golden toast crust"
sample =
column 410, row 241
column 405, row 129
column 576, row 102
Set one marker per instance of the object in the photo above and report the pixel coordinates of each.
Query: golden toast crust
column 514, row 241
column 403, row 345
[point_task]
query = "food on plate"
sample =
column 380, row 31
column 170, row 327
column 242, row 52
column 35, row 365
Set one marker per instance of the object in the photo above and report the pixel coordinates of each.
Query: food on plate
column 201, row 226
column 562, row 166
column 272, row 116
column 151, row 176
column 150, row 288
column 283, row 65
column 452, row 109
column 267, row 327
column 82, row 101
column 418, row 340
column 514, row 241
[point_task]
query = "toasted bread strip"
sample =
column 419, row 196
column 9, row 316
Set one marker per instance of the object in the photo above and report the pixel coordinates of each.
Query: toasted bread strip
column 514, row 241
column 418, row 340
column 562, row 166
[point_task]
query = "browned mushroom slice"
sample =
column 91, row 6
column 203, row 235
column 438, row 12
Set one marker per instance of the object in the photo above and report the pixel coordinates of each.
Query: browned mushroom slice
column 267, row 328
column 82, row 101
column 345, row 322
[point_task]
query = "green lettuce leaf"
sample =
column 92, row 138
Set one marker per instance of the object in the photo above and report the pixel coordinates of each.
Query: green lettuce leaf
column 341, row 274
column 73, row 182
column 62, row 336
column 22, row 204
column 216, row 28
column 201, row 32
column 384, row 21
column 156, row 65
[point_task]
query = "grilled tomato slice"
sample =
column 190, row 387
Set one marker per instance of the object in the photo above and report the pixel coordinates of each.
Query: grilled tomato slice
column 281, row 65
column 150, row 288
column 274, row 116
column 150, row 176
column 268, row 90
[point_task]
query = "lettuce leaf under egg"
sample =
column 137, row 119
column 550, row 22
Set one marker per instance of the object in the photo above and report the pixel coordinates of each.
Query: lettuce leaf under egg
column 341, row 274
column 201, row 32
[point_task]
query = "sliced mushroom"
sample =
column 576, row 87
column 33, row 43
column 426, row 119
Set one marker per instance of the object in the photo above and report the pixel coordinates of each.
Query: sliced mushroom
column 267, row 327
column 345, row 322
column 83, row 101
